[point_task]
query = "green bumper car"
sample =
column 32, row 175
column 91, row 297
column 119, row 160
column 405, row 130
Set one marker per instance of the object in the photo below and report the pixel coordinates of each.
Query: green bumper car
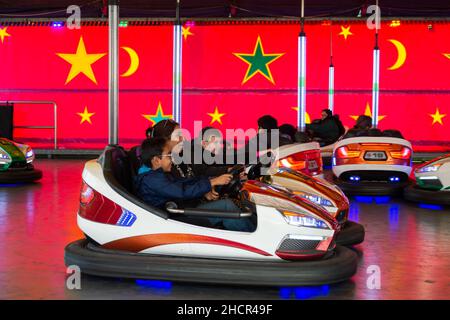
column 16, row 163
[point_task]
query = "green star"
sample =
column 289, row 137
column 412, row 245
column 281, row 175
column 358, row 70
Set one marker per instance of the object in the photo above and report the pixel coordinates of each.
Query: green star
column 258, row 62
column 155, row 118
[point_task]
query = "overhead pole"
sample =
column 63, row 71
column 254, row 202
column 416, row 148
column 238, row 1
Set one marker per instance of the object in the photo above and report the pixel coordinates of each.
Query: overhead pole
column 113, row 88
column 331, row 73
column 301, row 86
column 376, row 75
column 177, row 67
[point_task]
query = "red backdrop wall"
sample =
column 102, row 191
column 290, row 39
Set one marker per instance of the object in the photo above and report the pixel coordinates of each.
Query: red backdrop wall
column 70, row 67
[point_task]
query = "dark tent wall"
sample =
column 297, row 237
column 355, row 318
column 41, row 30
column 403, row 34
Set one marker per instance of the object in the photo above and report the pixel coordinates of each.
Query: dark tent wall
column 229, row 8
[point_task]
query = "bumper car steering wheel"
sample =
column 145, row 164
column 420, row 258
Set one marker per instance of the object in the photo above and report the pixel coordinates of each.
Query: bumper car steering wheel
column 254, row 172
column 232, row 189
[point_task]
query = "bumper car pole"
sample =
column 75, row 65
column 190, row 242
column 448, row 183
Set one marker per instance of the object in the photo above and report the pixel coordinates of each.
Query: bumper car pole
column 301, row 91
column 113, row 101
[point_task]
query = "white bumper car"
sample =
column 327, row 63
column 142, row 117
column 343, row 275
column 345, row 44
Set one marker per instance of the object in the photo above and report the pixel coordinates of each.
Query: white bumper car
column 372, row 165
column 293, row 243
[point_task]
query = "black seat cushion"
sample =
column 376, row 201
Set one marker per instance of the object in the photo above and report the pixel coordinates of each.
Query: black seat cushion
column 351, row 133
column 118, row 174
column 135, row 159
column 302, row 137
column 121, row 168
column 374, row 133
column 393, row 134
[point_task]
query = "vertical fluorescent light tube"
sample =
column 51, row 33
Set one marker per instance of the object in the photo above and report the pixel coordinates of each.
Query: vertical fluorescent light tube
column 376, row 74
column 176, row 93
column 331, row 88
column 177, row 67
column 301, row 91
column 113, row 89
column 174, row 72
column 180, row 75
column 376, row 86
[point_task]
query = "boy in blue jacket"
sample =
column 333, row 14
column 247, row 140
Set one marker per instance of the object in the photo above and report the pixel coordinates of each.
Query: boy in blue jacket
column 156, row 186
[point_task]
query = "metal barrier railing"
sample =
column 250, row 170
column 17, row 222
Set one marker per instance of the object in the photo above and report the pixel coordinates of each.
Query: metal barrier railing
column 55, row 116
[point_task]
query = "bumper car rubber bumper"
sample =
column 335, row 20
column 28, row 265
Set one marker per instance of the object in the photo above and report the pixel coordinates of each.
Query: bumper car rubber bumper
column 351, row 234
column 371, row 188
column 416, row 194
column 94, row 260
column 20, row 176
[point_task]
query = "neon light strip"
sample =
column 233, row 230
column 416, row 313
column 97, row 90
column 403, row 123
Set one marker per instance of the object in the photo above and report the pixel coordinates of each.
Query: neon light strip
column 177, row 69
column 376, row 87
column 331, row 88
column 301, row 92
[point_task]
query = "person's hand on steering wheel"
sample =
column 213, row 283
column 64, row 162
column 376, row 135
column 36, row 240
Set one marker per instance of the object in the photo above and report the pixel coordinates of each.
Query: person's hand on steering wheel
column 221, row 180
column 212, row 195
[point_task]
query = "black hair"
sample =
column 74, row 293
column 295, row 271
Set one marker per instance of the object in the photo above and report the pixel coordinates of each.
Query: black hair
column 267, row 122
column 149, row 132
column 363, row 122
column 151, row 148
column 208, row 132
column 289, row 130
column 163, row 128
column 328, row 112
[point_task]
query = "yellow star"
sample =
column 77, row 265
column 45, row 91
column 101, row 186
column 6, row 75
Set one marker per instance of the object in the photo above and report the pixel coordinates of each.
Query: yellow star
column 307, row 118
column 3, row 33
column 437, row 117
column 216, row 116
column 158, row 116
column 447, row 55
column 85, row 116
column 186, row 32
column 395, row 23
column 368, row 112
column 81, row 62
column 345, row 32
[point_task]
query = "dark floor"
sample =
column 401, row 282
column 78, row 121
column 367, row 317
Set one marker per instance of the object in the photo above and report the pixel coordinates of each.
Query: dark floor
column 409, row 243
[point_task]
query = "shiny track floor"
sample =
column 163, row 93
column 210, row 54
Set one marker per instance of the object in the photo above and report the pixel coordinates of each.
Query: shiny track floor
column 410, row 244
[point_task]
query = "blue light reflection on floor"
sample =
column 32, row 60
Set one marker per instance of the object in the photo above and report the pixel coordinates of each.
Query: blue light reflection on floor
column 382, row 199
column 11, row 185
column 371, row 199
column 303, row 293
column 156, row 286
column 430, row 206
column 394, row 211
column 364, row 199
column 353, row 213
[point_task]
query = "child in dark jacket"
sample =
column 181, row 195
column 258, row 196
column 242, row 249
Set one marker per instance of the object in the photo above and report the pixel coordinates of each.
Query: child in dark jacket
column 156, row 186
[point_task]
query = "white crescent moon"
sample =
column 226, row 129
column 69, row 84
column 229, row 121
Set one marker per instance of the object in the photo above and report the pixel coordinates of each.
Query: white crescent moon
column 401, row 54
column 134, row 64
